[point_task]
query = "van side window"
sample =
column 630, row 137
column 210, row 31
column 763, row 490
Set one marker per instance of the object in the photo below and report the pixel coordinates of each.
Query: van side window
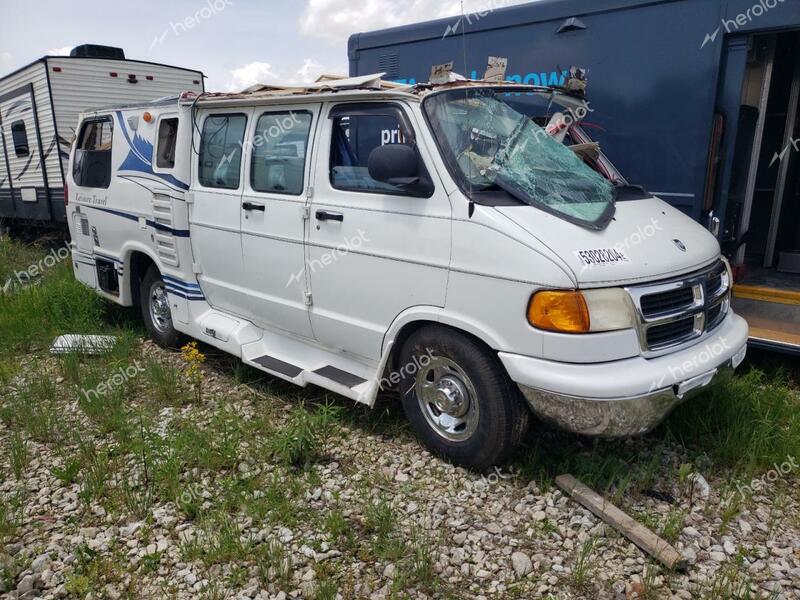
column 92, row 165
column 19, row 136
column 357, row 130
column 279, row 152
column 167, row 140
column 221, row 151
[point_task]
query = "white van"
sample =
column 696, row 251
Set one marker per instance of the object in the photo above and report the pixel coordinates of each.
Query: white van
column 461, row 243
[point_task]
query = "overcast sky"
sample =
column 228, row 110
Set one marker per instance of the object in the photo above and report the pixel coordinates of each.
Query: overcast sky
column 236, row 44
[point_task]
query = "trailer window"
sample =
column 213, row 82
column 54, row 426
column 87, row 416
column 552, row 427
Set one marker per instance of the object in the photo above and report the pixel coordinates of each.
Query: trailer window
column 92, row 165
column 221, row 151
column 279, row 152
column 167, row 141
column 19, row 135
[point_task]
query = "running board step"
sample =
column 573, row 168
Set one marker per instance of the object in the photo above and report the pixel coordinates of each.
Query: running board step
column 270, row 363
column 302, row 364
column 339, row 376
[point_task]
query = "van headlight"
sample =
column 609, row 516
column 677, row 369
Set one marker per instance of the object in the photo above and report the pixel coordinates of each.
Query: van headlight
column 589, row 311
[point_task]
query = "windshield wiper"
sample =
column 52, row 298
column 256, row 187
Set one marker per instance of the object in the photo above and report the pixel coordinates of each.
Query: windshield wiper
column 625, row 191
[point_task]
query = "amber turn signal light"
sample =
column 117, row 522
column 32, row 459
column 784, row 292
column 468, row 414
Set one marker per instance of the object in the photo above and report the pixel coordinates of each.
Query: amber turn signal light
column 565, row 312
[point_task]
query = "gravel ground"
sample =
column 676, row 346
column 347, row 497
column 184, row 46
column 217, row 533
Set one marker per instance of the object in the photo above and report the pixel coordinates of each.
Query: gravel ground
column 462, row 535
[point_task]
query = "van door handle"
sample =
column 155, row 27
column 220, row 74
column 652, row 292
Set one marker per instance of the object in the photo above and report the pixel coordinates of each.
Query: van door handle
column 253, row 206
column 323, row 215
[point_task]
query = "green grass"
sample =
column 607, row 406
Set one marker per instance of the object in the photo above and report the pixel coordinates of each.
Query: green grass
column 583, row 569
column 32, row 317
column 731, row 582
column 218, row 541
column 92, row 571
column 273, row 563
column 16, row 257
column 10, row 517
column 68, row 474
column 211, row 447
column 381, row 523
column 165, row 383
column 302, row 441
column 745, row 425
column 32, row 407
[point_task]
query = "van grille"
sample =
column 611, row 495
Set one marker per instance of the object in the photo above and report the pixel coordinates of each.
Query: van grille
column 680, row 311
column 667, row 302
column 659, row 335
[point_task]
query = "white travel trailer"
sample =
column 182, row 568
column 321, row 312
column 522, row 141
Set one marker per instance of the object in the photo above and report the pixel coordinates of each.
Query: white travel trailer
column 359, row 235
column 39, row 108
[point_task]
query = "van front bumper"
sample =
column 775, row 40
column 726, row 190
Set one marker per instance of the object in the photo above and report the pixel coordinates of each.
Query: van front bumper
column 627, row 397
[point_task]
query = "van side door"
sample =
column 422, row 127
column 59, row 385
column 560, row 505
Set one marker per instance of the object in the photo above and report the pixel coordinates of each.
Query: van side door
column 374, row 249
column 215, row 213
column 278, row 165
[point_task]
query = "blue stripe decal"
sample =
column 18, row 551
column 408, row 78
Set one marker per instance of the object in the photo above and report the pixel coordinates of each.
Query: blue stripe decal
column 176, row 232
column 117, row 213
column 181, row 281
column 179, row 285
column 185, row 296
column 149, row 222
column 140, row 158
column 109, row 258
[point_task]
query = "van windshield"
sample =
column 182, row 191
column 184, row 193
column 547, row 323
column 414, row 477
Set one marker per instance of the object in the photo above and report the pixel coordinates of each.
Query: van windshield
column 491, row 145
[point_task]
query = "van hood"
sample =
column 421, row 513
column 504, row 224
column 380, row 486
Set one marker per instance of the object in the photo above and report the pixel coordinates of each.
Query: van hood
column 647, row 240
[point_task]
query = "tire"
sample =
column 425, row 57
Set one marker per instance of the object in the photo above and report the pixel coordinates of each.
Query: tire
column 156, row 311
column 477, row 434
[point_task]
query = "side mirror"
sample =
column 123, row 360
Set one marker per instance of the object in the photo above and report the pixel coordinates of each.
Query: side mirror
column 399, row 165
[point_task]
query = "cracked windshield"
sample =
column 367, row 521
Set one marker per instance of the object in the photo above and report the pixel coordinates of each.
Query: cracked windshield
column 497, row 147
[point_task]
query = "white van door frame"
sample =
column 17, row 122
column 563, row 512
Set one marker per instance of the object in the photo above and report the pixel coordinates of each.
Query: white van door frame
column 273, row 222
column 373, row 255
column 215, row 226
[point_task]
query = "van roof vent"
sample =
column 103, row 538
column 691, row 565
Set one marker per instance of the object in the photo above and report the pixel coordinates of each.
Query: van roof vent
column 95, row 51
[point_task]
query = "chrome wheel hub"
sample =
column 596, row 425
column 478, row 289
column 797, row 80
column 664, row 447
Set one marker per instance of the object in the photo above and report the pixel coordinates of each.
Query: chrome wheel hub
column 452, row 396
column 159, row 308
column 447, row 398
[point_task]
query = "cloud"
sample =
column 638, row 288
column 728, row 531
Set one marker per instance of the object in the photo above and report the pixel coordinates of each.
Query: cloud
column 309, row 72
column 250, row 74
column 60, row 51
column 336, row 20
column 261, row 72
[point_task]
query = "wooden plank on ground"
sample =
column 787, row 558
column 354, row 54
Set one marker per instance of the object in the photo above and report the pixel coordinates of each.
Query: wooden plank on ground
column 627, row 526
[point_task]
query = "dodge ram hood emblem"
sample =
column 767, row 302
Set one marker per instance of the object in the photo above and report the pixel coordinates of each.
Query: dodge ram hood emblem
column 680, row 245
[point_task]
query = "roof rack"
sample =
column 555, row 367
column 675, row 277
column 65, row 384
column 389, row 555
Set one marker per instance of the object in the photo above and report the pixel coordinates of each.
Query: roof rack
column 334, row 84
column 327, row 83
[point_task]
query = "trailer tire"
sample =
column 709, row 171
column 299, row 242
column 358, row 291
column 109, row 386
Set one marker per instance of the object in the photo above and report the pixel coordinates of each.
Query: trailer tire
column 156, row 311
column 459, row 399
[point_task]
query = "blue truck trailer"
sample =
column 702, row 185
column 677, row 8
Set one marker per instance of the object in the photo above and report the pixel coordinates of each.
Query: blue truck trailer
column 696, row 100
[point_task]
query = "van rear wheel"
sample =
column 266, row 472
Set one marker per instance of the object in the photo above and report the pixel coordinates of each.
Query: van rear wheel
column 459, row 398
column 156, row 312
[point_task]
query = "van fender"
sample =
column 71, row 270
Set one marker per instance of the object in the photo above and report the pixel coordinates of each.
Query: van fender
column 416, row 314
column 126, row 293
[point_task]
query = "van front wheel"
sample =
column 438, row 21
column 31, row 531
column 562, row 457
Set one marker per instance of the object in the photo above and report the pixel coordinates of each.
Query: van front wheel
column 459, row 399
column 156, row 310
